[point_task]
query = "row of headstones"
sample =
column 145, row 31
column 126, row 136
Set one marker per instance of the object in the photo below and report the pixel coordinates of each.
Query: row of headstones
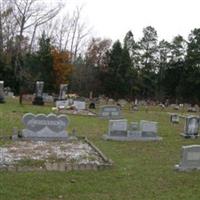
column 191, row 127
column 53, row 127
column 39, row 92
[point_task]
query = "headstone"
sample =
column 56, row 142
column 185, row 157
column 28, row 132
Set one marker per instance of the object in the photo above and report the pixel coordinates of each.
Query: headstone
column 63, row 91
column 38, row 100
column 191, row 128
column 47, row 98
column 45, row 127
column 118, row 127
column 190, row 158
column 119, row 130
column 2, row 99
column 174, row 118
column 79, row 105
column 148, row 128
column 110, row 112
column 62, row 103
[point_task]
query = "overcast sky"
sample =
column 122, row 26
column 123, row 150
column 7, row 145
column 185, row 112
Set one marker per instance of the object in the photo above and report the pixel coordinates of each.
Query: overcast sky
column 114, row 18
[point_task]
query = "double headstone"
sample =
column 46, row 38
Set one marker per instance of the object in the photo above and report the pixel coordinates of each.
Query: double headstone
column 38, row 100
column 2, row 98
column 191, row 129
column 121, row 131
column 45, row 127
column 110, row 112
column 190, row 158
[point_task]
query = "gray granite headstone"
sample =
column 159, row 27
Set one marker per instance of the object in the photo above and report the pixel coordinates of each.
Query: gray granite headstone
column 110, row 112
column 79, row 105
column 62, row 103
column 190, row 158
column 118, row 127
column 148, row 128
column 2, row 92
column 43, row 126
column 191, row 128
column 63, row 91
column 120, row 131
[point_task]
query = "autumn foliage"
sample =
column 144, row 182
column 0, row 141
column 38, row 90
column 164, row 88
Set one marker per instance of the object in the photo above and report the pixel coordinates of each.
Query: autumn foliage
column 61, row 67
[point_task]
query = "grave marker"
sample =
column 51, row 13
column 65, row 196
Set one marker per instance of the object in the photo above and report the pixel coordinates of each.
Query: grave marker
column 2, row 99
column 191, row 128
column 190, row 158
column 110, row 112
column 45, row 127
column 38, row 100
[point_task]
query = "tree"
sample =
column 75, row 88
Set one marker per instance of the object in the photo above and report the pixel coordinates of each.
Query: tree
column 62, row 68
column 116, row 83
column 148, row 61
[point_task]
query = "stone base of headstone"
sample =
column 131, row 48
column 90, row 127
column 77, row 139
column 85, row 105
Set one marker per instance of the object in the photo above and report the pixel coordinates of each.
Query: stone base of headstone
column 136, row 136
column 38, row 101
column 181, row 168
column 189, row 136
column 29, row 138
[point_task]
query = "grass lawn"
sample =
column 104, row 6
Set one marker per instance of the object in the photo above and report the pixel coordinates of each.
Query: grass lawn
column 142, row 170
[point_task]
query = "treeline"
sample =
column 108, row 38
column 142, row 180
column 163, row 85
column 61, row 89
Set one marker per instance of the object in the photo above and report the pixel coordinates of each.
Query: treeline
column 144, row 69
column 38, row 44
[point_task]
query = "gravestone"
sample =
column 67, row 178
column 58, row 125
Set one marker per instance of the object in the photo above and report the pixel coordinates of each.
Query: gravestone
column 190, row 158
column 63, row 91
column 38, row 100
column 62, row 103
column 110, row 112
column 2, row 98
column 45, row 127
column 191, row 128
column 148, row 128
column 174, row 118
column 79, row 105
column 119, row 130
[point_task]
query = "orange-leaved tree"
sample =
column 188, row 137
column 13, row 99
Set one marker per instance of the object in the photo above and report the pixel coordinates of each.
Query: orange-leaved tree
column 61, row 67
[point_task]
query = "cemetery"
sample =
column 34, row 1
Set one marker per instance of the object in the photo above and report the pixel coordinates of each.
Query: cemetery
column 27, row 147
column 92, row 110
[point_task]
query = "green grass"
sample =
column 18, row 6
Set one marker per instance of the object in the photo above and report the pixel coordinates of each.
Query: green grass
column 142, row 170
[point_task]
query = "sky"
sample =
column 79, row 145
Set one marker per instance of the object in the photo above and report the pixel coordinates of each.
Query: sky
column 114, row 18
